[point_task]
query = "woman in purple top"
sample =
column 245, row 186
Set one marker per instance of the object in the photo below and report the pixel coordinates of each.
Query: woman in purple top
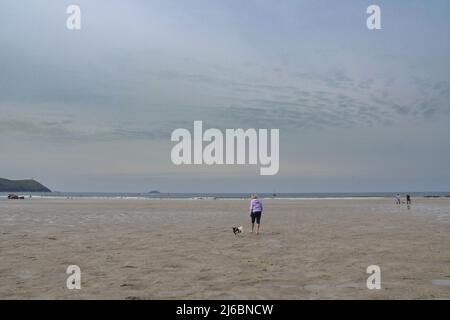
column 256, row 209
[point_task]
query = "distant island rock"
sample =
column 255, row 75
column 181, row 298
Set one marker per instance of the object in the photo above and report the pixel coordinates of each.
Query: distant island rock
column 154, row 192
column 22, row 186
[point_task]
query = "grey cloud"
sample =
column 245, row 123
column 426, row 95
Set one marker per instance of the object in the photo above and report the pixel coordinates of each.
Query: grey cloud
column 66, row 131
column 402, row 110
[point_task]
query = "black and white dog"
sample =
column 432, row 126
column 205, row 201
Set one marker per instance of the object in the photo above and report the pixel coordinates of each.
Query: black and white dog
column 237, row 230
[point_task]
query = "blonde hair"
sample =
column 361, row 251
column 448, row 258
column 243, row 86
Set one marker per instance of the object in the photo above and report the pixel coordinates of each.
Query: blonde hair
column 254, row 196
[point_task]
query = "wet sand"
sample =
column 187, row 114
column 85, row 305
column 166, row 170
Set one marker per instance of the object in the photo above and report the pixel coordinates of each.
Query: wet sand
column 185, row 249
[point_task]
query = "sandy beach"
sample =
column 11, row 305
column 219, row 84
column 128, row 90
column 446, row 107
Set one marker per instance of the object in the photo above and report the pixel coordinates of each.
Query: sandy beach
column 185, row 249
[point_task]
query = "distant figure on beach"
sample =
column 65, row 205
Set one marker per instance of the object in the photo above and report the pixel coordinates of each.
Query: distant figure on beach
column 256, row 209
column 398, row 199
column 408, row 199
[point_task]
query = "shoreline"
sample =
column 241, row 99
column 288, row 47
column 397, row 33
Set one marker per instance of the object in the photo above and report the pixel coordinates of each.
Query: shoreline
column 37, row 197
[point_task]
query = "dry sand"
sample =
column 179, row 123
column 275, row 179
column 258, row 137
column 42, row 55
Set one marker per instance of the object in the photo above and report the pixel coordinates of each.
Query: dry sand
column 185, row 249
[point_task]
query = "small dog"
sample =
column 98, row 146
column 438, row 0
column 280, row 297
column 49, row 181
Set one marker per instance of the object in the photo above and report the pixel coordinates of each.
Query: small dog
column 237, row 230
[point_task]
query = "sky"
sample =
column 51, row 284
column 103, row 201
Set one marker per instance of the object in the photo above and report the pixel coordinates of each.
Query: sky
column 357, row 109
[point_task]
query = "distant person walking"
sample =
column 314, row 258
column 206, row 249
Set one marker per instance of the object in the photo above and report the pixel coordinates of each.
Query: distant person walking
column 256, row 209
column 398, row 199
column 408, row 199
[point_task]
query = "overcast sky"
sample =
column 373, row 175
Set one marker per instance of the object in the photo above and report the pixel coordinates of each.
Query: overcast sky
column 358, row 110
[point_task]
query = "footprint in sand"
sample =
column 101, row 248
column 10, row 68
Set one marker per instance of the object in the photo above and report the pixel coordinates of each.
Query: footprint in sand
column 127, row 285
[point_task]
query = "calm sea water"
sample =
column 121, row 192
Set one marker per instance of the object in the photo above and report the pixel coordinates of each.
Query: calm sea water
column 225, row 195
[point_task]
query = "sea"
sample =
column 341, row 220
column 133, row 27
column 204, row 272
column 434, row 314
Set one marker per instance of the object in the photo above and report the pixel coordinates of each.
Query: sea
column 200, row 196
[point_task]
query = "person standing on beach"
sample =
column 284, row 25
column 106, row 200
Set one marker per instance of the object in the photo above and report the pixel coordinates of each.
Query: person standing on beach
column 398, row 198
column 408, row 199
column 256, row 209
